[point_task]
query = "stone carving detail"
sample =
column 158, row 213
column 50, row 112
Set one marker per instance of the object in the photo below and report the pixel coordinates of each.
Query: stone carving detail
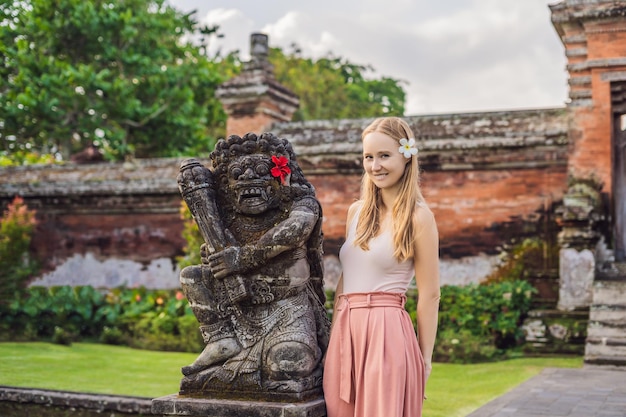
column 581, row 215
column 258, row 294
column 581, row 218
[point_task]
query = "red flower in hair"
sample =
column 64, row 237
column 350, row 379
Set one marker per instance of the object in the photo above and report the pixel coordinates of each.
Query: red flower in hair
column 280, row 169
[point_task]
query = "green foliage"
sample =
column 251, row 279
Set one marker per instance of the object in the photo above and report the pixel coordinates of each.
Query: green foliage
column 463, row 347
column 151, row 319
column 334, row 88
column 112, row 336
column 193, row 239
column 117, row 74
column 160, row 321
column 41, row 311
column 480, row 315
column 16, row 263
column 528, row 255
column 25, row 158
column 62, row 336
column 123, row 76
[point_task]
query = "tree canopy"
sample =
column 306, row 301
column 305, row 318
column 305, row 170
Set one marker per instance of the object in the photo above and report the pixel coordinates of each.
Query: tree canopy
column 134, row 78
column 335, row 88
column 118, row 74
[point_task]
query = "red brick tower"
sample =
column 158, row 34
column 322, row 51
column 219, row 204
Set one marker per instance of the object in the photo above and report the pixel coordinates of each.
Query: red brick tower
column 254, row 99
column 594, row 35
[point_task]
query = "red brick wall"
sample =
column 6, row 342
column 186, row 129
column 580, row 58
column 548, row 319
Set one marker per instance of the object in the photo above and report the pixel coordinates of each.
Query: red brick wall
column 480, row 211
column 489, row 178
column 139, row 237
column 476, row 211
column 256, row 123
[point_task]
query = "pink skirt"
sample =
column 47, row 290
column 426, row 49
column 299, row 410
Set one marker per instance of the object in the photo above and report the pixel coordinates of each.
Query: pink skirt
column 373, row 366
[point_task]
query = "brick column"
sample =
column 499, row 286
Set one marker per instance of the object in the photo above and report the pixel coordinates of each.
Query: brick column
column 594, row 35
column 254, row 100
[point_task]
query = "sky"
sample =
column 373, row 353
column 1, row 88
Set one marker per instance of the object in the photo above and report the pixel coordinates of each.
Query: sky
column 453, row 55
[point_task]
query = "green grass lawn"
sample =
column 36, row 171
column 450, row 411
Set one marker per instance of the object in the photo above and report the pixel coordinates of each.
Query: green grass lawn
column 94, row 368
column 453, row 390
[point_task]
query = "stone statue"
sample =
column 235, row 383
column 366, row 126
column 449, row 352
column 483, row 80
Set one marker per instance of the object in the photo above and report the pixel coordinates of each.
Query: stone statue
column 258, row 294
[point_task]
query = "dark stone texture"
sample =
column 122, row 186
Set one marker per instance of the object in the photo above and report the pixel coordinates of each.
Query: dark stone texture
column 186, row 406
column 259, row 293
column 33, row 402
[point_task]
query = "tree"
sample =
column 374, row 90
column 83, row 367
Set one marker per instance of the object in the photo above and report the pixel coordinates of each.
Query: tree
column 117, row 74
column 334, row 88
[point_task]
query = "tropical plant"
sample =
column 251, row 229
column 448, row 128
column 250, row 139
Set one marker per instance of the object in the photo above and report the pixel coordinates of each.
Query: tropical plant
column 115, row 74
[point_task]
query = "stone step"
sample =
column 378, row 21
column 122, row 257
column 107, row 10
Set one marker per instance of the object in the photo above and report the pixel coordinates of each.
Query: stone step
column 611, row 271
column 609, row 292
column 605, row 347
column 613, row 361
column 608, row 312
column 613, row 327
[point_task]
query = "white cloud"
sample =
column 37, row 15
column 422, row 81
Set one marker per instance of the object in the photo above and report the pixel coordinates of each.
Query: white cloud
column 457, row 55
column 237, row 28
column 297, row 28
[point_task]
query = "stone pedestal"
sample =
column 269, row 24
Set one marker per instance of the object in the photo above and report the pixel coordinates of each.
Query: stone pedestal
column 580, row 218
column 555, row 332
column 576, row 270
column 176, row 405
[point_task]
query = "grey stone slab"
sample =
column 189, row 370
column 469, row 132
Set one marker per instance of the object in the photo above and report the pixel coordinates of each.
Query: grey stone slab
column 175, row 405
column 588, row 392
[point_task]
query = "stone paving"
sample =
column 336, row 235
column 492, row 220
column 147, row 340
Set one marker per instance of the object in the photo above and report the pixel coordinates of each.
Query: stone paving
column 586, row 392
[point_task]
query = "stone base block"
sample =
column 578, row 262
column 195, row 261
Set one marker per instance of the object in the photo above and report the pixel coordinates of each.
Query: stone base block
column 555, row 331
column 177, row 405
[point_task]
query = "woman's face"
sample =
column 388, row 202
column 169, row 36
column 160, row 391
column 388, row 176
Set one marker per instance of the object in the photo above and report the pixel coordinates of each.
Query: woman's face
column 382, row 161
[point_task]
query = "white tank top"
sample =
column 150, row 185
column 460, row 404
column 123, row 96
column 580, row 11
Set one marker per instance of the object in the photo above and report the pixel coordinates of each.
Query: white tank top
column 375, row 269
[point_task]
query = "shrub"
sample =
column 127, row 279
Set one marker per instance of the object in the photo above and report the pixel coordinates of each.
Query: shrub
column 463, row 347
column 492, row 311
column 62, row 336
column 531, row 254
column 481, row 322
column 40, row 310
column 16, row 263
column 161, row 320
column 152, row 319
column 112, row 336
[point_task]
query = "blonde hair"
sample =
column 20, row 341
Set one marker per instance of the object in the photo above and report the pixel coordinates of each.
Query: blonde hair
column 408, row 198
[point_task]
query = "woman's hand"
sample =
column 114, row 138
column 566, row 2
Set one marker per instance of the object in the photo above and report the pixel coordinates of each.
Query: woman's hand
column 428, row 369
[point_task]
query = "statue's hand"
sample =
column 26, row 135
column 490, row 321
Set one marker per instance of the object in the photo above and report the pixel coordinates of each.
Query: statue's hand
column 230, row 238
column 226, row 262
column 204, row 254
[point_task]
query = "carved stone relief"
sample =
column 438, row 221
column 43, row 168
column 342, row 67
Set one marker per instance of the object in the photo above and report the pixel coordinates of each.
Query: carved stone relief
column 258, row 294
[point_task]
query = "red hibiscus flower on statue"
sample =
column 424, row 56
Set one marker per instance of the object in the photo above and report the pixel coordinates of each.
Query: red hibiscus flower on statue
column 280, row 168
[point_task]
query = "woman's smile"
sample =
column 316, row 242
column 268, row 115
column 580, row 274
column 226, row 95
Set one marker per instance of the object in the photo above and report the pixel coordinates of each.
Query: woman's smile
column 381, row 159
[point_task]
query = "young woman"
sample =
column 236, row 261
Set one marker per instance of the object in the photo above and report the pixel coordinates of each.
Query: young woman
column 375, row 366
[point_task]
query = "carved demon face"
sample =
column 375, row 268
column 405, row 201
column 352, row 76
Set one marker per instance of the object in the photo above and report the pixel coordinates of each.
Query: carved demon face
column 252, row 188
